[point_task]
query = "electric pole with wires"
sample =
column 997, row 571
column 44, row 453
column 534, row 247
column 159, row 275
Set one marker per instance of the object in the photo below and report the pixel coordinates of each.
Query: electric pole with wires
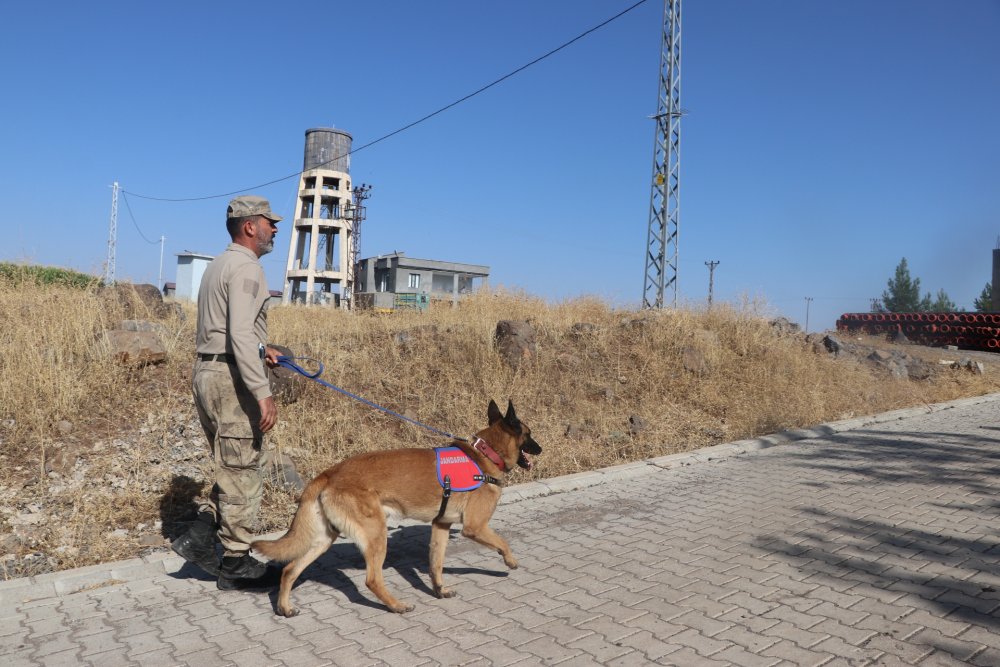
column 711, row 279
column 356, row 212
column 109, row 267
column 664, row 202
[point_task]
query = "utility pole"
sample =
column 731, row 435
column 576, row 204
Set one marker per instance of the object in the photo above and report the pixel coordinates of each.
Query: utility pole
column 711, row 279
column 159, row 278
column 808, row 301
column 664, row 202
column 109, row 267
column 357, row 213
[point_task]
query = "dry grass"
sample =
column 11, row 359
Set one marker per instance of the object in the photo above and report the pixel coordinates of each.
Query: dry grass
column 597, row 367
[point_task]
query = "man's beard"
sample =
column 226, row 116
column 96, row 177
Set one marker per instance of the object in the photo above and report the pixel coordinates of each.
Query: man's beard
column 264, row 248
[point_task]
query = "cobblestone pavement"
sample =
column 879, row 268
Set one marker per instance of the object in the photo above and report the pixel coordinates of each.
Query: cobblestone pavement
column 872, row 545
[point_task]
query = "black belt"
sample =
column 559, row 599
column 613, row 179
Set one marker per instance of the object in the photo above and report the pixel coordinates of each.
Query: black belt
column 228, row 358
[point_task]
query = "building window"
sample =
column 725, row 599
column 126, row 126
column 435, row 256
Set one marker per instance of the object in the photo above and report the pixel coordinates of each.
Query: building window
column 307, row 207
column 414, row 281
column 329, row 208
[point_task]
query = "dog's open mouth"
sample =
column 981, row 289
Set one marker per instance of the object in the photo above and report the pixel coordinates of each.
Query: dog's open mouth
column 524, row 461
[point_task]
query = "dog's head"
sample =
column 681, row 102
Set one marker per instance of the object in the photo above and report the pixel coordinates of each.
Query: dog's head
column 524, row 446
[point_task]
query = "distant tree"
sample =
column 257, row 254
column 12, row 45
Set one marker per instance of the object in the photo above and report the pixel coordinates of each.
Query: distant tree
column 985, row 301
column 903, row 292
column 941, row 303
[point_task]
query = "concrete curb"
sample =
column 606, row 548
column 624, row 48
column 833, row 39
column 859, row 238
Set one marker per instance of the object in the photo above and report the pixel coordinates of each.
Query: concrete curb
column 53, row 585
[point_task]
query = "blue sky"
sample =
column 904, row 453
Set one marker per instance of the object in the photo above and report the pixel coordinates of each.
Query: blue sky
column 824, row 141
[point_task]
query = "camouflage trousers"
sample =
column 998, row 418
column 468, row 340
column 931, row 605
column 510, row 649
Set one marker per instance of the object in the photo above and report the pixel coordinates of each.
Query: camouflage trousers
column 230, row 416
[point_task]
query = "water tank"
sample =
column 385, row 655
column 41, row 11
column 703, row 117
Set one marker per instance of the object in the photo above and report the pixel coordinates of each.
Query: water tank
column 327, row 148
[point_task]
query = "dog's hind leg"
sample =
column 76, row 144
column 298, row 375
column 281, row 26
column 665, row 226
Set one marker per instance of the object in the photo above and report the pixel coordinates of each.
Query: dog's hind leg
column 296, row 567
column 478, row 531
column 372, row 539
column 439, row 542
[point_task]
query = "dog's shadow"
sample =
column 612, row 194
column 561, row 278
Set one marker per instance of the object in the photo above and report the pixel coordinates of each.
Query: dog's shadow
column 407, row 554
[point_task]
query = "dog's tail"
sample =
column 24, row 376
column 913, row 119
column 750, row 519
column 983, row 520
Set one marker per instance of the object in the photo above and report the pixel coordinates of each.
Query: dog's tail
column 307, row 528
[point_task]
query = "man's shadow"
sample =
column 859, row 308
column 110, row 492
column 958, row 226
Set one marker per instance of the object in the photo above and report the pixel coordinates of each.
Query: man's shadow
column 407, row 553
column 178, row 510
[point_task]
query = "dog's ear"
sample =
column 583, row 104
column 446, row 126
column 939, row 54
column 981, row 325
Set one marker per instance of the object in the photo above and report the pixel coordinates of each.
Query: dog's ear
column 493, row 413
column 511, row 416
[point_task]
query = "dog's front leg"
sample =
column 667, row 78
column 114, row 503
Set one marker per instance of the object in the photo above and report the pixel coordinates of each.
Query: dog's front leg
column 439, row 542
column 480, row 532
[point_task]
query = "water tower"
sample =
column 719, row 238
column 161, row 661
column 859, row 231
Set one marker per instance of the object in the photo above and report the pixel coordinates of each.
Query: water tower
column 322, row 236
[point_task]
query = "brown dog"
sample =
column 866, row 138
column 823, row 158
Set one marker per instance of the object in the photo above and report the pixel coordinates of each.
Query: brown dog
column 354, row 497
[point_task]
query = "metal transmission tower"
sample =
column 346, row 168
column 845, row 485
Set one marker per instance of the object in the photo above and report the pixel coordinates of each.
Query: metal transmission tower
column 356, row 212
column 109, row 267
column 664, row 203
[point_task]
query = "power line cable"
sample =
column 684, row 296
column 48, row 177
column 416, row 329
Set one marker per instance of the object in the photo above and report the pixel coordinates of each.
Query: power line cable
column 134, row 223
column 410, row 125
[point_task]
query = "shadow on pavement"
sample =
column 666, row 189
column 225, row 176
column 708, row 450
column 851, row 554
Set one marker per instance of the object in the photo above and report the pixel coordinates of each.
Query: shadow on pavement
column 921, row 458
column 407, row 554
column 955, row 577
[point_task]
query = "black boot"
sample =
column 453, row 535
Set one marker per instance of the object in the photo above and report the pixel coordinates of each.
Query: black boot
column 242, row 572
column 197, row 545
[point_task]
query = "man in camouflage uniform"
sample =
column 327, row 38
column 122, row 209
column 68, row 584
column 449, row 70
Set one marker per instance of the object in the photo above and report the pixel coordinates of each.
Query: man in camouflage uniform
column 233, row 395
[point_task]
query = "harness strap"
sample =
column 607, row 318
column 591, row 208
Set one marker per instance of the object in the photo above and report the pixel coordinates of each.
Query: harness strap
column 447, row 490
column 487, row 479
column 445, row 497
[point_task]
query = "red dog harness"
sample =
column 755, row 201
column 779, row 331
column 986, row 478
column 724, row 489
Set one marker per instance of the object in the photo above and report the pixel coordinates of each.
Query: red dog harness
column 457, row 472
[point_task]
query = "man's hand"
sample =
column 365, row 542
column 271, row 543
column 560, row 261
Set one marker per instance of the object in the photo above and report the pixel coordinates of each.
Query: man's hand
column 268, row 413
column 271, row 357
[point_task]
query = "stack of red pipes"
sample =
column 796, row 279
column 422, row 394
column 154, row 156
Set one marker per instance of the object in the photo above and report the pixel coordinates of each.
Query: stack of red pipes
column 972, row 331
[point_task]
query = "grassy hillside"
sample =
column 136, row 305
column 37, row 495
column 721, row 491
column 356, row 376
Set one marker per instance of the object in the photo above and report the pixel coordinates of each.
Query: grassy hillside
column 98, row 461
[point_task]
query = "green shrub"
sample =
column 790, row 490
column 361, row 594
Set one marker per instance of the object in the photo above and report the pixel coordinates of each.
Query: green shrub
column 19, row 274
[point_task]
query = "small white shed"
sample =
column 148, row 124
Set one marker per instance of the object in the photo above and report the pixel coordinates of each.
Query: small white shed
column 190, row 268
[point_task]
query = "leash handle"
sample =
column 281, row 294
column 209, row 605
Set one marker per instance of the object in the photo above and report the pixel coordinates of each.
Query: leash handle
column 291, row 365
column 288, row 363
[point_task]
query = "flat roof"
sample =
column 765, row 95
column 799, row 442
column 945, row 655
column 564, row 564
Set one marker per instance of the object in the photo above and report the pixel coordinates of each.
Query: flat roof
column 413, row 262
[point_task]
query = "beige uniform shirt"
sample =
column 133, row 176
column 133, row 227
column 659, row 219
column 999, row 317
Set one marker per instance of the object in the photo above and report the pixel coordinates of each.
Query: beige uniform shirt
column 232, row 314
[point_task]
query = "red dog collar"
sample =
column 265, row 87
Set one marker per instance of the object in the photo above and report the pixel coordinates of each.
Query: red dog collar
column 484, row 448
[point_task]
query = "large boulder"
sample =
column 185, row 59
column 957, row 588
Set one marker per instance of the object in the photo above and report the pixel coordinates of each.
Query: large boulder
column 515, row 342
column 784, row 326
column 134, row 348
column 966, row 364
column 277, row 468
column 143, row 301
column 286, row 385
column 694, row 361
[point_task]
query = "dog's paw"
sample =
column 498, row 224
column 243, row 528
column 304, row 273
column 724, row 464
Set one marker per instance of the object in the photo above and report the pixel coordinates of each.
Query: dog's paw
column 289, row 612
column 444, row 592
column 510, row 562
column 402, row 608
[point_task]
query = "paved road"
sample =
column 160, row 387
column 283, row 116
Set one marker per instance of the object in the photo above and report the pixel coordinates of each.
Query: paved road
column 873, row 542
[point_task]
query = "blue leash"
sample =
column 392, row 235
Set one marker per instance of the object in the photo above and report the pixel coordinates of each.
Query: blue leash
column 288, row 363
